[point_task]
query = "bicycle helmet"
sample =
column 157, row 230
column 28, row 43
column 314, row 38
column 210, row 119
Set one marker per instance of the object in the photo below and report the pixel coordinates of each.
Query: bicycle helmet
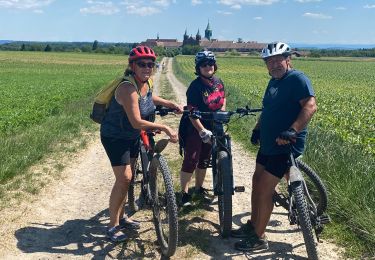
column 276, row 48
column 141, row 52
column 202, row 56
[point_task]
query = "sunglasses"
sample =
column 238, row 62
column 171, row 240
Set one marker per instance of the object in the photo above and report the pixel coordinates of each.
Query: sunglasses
column 207, row 63
column 143, row 65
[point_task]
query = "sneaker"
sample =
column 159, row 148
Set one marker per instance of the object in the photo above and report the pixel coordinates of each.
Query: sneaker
column 116, row 235
column 244, row 231
column 186, row 199
column 201, row 194
column 129, row 224
column 252, row 243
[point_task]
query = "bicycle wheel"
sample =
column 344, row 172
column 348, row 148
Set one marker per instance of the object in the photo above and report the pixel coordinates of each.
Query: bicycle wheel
column 164, row 205
column 135, row 196
column 317, row 190
column 224, row 178
column 304, row 220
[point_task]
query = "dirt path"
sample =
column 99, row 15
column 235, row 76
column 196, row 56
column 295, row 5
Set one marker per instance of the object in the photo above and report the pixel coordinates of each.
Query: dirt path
column 67, row 220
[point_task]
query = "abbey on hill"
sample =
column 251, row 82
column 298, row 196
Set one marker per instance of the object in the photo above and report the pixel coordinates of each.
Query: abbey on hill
column 207, row 42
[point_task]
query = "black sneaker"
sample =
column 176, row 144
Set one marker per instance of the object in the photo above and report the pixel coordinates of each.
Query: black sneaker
column 244, row 231
column 185, row 199
column 252, row 243
column 201, row 194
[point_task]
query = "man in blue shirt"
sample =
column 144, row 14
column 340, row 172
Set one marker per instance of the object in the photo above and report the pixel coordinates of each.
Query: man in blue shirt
column 288, row 105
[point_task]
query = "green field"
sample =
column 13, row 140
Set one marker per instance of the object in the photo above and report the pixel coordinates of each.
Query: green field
column 45, row 100
column 341, row 143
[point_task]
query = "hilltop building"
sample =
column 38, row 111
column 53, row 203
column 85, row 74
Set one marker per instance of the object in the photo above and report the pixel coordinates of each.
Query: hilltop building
column 207, row 42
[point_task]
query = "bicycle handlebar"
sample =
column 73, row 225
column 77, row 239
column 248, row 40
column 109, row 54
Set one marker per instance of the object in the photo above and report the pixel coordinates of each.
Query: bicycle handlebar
column 221, row 116
column 163, row 111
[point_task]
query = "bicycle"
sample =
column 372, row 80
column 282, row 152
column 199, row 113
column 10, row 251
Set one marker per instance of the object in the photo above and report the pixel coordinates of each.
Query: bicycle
column 152, row 186
column 306, row 200
column 221, row 162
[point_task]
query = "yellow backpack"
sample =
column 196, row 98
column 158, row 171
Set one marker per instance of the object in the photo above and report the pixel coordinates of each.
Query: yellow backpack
column 103, row 98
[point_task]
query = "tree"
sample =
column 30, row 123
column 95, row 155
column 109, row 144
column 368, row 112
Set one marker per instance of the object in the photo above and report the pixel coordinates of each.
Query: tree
column 48, row 48
column 95, row 45
column 23, row 47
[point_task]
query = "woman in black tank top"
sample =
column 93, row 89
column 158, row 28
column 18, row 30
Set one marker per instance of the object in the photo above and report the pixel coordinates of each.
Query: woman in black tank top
column 129, row 109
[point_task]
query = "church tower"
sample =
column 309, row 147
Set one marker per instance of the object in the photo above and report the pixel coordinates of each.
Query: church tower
column 198, row 37
column 208, row 31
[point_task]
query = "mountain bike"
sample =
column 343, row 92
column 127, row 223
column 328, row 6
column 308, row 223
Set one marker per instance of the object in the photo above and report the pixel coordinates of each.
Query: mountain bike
column 152, row 186
column 305, row 198
column 221, row 162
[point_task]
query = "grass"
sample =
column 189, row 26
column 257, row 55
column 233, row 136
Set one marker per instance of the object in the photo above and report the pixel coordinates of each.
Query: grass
column 46, row 99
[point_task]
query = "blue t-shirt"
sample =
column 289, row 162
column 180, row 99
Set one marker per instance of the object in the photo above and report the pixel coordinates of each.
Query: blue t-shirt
column 280, row 109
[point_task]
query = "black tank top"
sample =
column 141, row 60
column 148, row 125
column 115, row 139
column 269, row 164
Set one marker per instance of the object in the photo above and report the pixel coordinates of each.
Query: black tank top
column 116, row 123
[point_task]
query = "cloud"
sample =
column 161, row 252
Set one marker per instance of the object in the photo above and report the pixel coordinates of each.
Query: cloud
column 163, row 3
column 150, row 7
column 196, row 2
column 317, row 16
column 224, row 12
column 236, row 6
column 307, row 1
column 101, row 8
column 24, row 4
column 142, row 10
column 369, row 6
column 239, row 3
column 258, row 18
column 340, row 8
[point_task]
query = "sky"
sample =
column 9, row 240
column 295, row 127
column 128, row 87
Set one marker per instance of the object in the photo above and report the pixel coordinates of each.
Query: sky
column 298, row 21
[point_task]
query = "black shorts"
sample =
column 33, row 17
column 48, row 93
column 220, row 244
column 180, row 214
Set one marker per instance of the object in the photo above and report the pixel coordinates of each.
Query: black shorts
column 120, row 151
column 277, row 164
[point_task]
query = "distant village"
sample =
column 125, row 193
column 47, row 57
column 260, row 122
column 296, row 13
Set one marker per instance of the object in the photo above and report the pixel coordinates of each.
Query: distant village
column 206, row 42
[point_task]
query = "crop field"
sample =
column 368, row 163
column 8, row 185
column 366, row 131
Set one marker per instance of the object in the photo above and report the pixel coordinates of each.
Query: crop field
column 44, row 97
column 345, row 92
column 341, row 141
column 34, row 86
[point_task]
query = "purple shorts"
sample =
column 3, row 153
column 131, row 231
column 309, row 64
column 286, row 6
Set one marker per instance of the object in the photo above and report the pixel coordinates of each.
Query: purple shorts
column 196, row 153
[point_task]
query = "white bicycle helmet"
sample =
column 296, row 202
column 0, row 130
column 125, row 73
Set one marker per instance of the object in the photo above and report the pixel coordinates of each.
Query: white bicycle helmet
column 204, row 56
column 276, row 48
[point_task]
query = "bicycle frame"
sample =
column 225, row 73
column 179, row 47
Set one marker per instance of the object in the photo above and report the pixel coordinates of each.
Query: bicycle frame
column 220, row 142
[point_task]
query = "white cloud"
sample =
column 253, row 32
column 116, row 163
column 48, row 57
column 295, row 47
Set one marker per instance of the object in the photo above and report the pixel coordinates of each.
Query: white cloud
column 101, row 8
column 317, row 16
column 239, row 3
column 196, row 2
column 340, row 8
column 163, row 3
column 236, row 6
column 142, row 10
column 307, row 1
column 369, row 6
column 258, row 18
column 224, row 12
column 24, row 4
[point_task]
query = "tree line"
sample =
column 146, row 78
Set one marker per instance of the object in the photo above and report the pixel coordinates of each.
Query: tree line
column 125, row 48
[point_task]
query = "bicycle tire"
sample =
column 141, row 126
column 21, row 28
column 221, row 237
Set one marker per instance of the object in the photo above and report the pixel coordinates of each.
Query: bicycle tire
column 225, row 180
column 318, row 191
column 304, row 220
column 136, row 199
column 164, row 205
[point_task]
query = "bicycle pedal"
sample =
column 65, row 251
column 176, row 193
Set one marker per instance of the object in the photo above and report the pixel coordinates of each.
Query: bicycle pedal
column 239, row 189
